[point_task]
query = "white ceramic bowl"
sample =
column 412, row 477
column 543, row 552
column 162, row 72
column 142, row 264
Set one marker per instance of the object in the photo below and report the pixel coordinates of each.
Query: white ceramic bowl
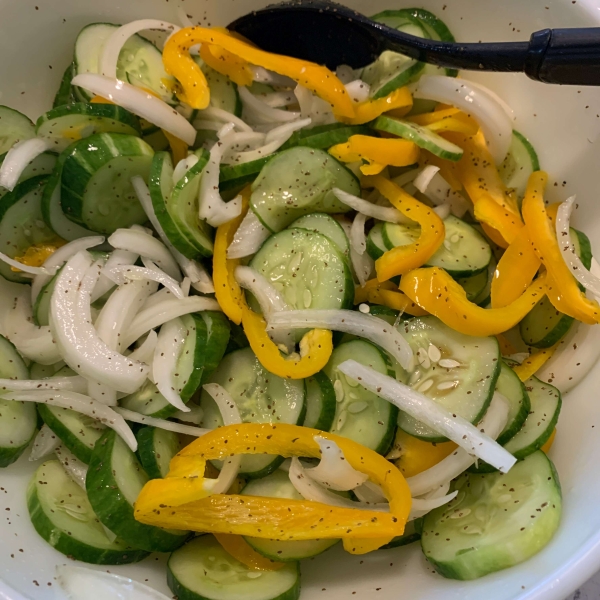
column 36, row 44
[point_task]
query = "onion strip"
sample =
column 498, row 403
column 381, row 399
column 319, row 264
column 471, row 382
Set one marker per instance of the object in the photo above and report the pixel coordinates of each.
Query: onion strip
column 134, row 417
column 17, row 159
column 44, row 444
column 248, row 238
column 382, row 213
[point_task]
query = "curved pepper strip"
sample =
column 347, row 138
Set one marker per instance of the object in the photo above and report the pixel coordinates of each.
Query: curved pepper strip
column 361, row 292
column 532, row 364
column 315, row 349
column 241, row 550
column 403, row 259
column 179, row 149
column 546, row 447
column 228, row 293
column 436, row 292
column 506, row 347
column 179, row 63
column 396, row 300
column 418, row 455
column 450, row 119
column 182, row 502
column 502, row 219
column 563, row 290
column 397, row 104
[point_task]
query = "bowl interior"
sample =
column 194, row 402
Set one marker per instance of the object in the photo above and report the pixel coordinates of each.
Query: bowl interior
column 564, row 126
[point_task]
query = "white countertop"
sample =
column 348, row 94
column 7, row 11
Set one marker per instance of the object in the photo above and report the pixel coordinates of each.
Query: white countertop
column 589, row 590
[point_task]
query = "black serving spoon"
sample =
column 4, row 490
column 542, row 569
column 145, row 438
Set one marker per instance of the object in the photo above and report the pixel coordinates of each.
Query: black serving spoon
column 331, row 34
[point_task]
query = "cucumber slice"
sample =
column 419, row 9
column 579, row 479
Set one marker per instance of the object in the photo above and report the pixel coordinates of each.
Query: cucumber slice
column 235, row 177
column 261, row 397
column 361, row 415
column 156, row 448
column 278, row 485
column 114, row 480
column 223, row 92
column 21, row 223
column 156, row 139
column 297, row 182
column 496, row 521
column 474, row 370
column 14, row 127
column 520, row 162
column 66, row 124
column 474, row 286
column 375, row 245
column 389, row 315
column 203, row 570
column 323, row 137
column 102, row 163
column 320, row 402
column 464, row 252
column 307, row 269
column 62, row 514
column 390, row 71
column 64, row 94
column 421, row 136
column 327, row 226
column 79, row 433
column 140, row 62
column 412, row 534
column 182, row 205
column 513, row 389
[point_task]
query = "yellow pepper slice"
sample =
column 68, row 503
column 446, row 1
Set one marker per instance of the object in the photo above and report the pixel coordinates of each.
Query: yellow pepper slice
column 397, row 104
column 428, row 118
column 226, row 63
column 563, row 291
column 315, row 349
column 436, row 292
column 241, row 550
column 379, row 152
column 179, row 149
column 396, row 300
column 273, row 518
column 403, row 259
column 450, row 119
column 417, row 456
column 178, row 62
column 546, row 447
column 228, row 293
column 36, row 255
column 533, row 363
column 361, row 293
column 506, row 347
column 502, row 219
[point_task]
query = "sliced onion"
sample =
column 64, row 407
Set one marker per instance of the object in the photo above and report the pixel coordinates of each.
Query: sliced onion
column 259, row 111
column 370, row 493
column 145, row 351
column 442, row 211
column 346, row 74
column 139, row 102
column 358, row 238
column 26, row 268
column 74, row 384
column 349, row 321
column 80, row 346
column 334, row 472
column 388, row 214
column 44, row 444
column 510, row 113
column 183, row 166
column 75, row 468
column 313, row 107
column 114, row 44
column 358, row 90
column 134, row 417
column 228, row 408
column 423, row 179
column 262, row 75
column 195, row 414
column 362, row 264
column 80, row 404
column 123, row 273
column 164, row 311
column 496, row 125
column 278, row 99
column 248, row 238
column 438, row 190
column 17, row 159
column 406, row 178
column 218, row 114
column 117, row 257
column 421, row 506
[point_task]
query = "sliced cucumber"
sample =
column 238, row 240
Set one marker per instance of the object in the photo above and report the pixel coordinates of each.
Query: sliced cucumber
column 327, row 226
column 260, row 396
column 79, row 433
column 14, row 127
column 21, row 223
column 203, row 570
column 320, row 402
column 421, row 136
column 513, row 389
column 114, row 480
column 61, row 513
column 471, row 364
column 297, row 182
column 96, row 189
column 324, row 136
column 234, row 177
column 412, row 534
column 67, row 124
column 389, row 315
column 140, row 62
column 390, row 71
column 375, row 245
column 65, row 94
column 496, row 521
column 278, row 485
column 474, row 286
column 223, row 92
column 361, row 415
column 156, row 448
column 520, row 162
column 464, row 252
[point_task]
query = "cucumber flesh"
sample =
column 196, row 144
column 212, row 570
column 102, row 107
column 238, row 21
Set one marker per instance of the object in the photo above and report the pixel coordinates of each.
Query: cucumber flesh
column 323, row 137
column 412, row 534
column 520, row 162
column 223, row 92
column 156, row 448
column 496, row 521
column 390, row 71
column 327, row 226
column 320, row 402
column 65, row 94
column 375, row 245
column 14, row 127
column 513, row 389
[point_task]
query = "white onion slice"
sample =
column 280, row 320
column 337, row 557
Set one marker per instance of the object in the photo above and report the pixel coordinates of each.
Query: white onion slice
column 138, row 102
column 123, row 273
column 195, row 414
column 438, row 190
column 404, row 179
column 433, row 415
column 346, row 73
column 510, row 113
column 80, row 346
column 388, row 214
column 75, row 468
column 313, row 107
column 44, row 444
column 259, row 111
column 145, row 351
column 147, row 246
column 334, row 472
column 358, row 238
column 362, row 264
column 262, row 75
column 460, row 460
column 164, row 311
column 421, row 506
column 117, row 257
column 73, row 384
column 114, row 44
column 496, row 125
column 223, row 116
column 26, row 268
column 442, row 211
column 183, row 166
column 278, row 99
column 349, row 321
column 358, row 90
column 134, row 417
column 17, row 159
column 370, row 493
column 81, row 404
column 423, row 179
column 228, row 408
column 248, row 238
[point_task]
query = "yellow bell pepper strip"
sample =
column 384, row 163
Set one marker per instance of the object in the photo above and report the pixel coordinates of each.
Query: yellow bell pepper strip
column 396, row 300
column 228, row 293
column 546, row 447
column 494, row 235
column 502, row 219
column 361, row 293
column 179, row 149
column 436, row 292
column 178, row 62
column 403, row 259
column 450, row 119
column 506, row 347
column 315, row 349
column 532, row 364
column 428, row 118
column 273, row 518
column 515, row 271
column 416, row 455
column 36, row 255
column 563, row 291
column 396, row 104
column 227, row 63
column 241, row 550
column 378, row 152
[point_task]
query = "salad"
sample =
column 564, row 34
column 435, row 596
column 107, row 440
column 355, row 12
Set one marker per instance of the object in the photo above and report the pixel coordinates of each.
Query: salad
column 252, row 308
